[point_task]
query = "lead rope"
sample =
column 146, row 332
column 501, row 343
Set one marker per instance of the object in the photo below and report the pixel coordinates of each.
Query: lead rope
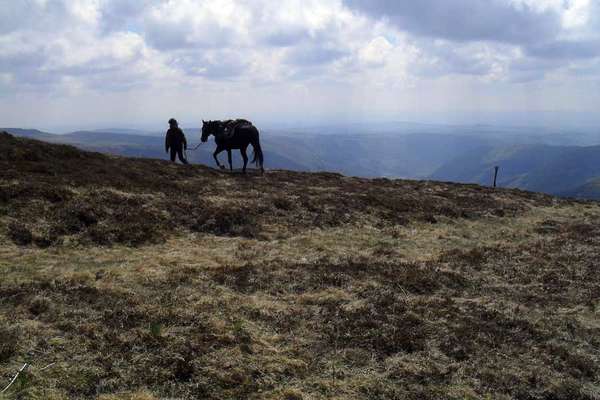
column 194, row 149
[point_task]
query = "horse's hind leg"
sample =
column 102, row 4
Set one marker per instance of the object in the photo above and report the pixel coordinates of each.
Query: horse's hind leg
column 245, row 157
column 229, row 159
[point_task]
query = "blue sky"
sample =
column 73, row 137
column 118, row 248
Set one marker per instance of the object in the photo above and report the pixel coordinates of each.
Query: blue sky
column 86, row 63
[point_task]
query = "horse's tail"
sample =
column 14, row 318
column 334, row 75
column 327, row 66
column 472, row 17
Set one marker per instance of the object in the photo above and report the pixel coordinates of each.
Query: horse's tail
column 258, row 153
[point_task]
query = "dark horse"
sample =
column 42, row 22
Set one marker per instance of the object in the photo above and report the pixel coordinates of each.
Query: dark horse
column 240, row 137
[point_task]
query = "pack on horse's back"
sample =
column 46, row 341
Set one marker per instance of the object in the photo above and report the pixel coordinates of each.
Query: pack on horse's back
column 234, row 134
column 230, row 125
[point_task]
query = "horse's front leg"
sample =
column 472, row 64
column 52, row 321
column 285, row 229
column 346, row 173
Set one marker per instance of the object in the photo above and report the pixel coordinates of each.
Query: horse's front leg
column 217, row 151
column 229, row 159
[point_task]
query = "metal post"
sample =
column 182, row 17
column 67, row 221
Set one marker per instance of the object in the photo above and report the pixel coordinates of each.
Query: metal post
column 495, row 174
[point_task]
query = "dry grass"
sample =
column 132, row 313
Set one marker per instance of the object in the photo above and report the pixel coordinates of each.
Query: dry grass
column 327, row 291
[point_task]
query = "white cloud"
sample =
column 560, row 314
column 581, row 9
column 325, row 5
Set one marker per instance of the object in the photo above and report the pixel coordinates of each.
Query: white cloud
column 188, row 48
column 376, row 52
column 188, row 23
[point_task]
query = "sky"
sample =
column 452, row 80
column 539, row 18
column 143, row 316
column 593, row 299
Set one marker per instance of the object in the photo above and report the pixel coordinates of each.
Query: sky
column 136, row 63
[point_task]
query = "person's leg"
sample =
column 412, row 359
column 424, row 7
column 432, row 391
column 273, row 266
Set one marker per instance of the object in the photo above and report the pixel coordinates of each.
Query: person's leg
column 181, row 156
column 173, row 154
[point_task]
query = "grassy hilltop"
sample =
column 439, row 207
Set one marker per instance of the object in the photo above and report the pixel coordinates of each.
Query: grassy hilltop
column 140, row 279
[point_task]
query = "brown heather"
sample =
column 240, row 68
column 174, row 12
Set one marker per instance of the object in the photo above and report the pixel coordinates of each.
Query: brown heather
column 142, row 280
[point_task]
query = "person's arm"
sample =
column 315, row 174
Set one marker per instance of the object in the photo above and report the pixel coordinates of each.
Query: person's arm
column 167, row 141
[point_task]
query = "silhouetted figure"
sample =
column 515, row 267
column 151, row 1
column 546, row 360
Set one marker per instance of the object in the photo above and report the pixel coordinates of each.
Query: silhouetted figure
column 175, row 141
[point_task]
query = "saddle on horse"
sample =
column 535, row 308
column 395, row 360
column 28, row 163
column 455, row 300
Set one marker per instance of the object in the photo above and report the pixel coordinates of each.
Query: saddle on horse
column 229, row 126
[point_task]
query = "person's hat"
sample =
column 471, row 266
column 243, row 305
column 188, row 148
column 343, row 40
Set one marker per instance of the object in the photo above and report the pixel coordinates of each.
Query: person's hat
column 172, row 121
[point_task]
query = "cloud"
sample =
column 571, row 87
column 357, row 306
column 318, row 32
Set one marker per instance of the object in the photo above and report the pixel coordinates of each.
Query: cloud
column 566, row 49
column 195, row 24
column 285, row 36
column 376, row 52
column 312, row 54
column 475, row 37
column 122, row 15
column 464, row 20
column 383, row 49
column 523, row 68
column 212, row 64
column 439, row 58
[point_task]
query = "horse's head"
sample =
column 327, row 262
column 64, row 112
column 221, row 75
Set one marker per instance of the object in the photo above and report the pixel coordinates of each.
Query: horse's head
column 208, row 128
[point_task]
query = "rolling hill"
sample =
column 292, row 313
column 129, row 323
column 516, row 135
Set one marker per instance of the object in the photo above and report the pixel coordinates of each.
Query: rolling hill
column 385, row 155
column 553, row 169
column 589, row 190
column 134, row 278
column 549, row 169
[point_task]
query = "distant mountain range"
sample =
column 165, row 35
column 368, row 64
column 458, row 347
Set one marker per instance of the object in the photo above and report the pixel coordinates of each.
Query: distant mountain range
column 388, row 155
column 589, row 190
column 563, row 170
column 559, row 170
